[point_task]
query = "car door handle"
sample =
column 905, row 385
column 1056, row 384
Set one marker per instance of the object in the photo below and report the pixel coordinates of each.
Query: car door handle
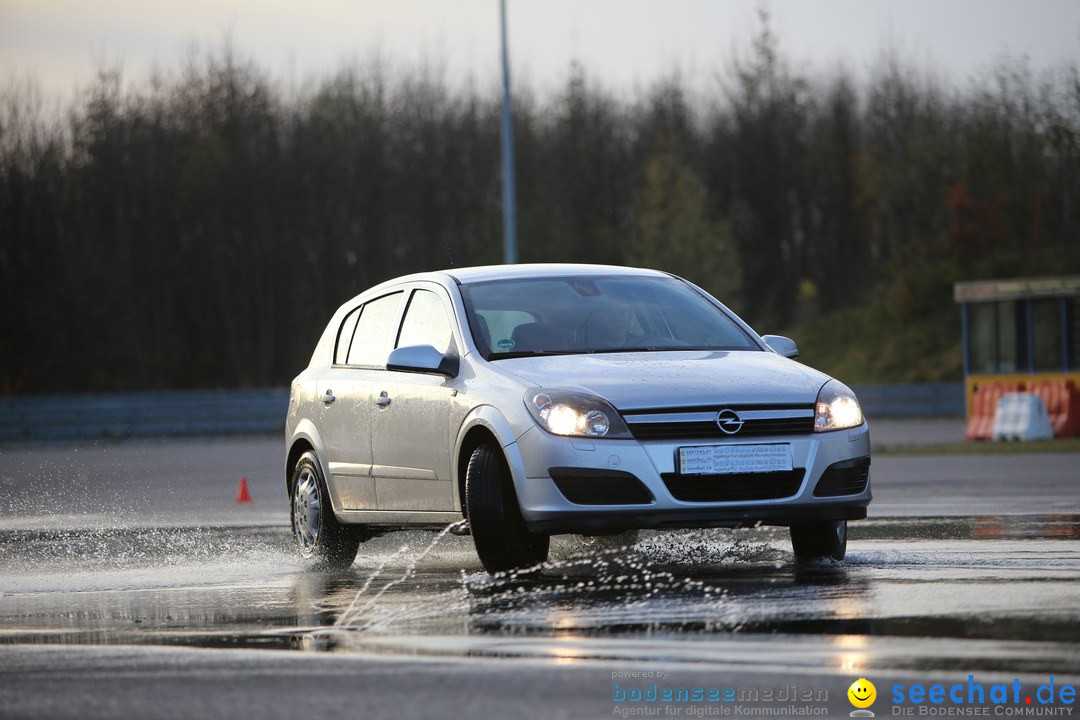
column 383, row 400
column 329, row 397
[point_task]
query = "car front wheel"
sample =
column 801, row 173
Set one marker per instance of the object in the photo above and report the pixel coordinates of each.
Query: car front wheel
column 819, row 540
column 319, row 536
column 498, row 529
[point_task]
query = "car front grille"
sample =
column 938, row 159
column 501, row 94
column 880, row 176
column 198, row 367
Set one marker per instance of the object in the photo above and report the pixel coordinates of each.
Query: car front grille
column 600, row 487
column 698, row 423
column 734, row 487
column 848, row 477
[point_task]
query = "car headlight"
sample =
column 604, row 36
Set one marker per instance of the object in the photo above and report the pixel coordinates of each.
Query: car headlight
column 837, row 408
column 573, row 414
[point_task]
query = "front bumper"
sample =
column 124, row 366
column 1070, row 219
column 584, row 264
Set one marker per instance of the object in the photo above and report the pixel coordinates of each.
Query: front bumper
column 548, row 510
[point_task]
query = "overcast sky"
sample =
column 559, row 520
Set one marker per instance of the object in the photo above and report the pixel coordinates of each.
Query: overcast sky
column 626, row 43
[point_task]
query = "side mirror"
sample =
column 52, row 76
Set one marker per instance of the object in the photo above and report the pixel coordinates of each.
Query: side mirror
column 423, row 359
column 782, row 345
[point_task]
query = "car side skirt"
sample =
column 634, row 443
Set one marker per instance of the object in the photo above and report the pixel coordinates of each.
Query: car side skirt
column 402, row 519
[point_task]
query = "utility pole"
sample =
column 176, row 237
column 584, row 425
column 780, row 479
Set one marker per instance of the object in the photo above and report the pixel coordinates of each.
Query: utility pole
column 509, row 198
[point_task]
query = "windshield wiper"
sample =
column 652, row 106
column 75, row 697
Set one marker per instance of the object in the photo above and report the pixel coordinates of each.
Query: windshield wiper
column 649, row 348
column 669, row 348
column 531, row 353
column 601, row 351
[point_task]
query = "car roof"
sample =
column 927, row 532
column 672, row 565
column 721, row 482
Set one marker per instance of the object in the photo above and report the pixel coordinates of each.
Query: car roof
column 537, row 270
column 485, row 273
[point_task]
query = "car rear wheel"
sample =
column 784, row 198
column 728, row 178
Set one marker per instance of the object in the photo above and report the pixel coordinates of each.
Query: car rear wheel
column 819, row 540
column 319, row 536
column 498, row 529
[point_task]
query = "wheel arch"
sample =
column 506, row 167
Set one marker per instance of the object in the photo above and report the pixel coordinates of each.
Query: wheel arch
column 304, row 439
column 299, row 447
column 483, row 425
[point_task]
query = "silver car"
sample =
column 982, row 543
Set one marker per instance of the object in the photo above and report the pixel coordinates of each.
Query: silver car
column 531, row 400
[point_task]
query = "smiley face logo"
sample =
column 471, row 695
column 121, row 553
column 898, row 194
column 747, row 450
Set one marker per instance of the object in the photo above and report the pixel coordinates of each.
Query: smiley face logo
column 862, row 693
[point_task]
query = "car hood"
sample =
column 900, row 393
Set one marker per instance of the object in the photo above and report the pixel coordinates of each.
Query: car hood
column 651, row 380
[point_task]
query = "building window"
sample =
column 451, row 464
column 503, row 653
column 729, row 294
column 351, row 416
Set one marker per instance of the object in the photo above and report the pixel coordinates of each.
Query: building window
column 1072, row 325
column 1046, row 334
column 998, row 337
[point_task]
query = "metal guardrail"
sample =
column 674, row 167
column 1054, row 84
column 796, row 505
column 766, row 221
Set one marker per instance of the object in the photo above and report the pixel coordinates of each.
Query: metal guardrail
column 141, row 415
column 912, row 400
column 241, row 412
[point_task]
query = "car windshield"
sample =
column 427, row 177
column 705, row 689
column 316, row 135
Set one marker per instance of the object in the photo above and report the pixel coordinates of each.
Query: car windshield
column 595, row 314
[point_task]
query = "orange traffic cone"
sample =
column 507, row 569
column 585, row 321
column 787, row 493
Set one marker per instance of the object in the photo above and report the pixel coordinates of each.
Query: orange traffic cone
column 242, row 495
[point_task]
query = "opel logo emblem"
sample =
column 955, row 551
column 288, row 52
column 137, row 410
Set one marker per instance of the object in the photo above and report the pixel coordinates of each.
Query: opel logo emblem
column 729, row 422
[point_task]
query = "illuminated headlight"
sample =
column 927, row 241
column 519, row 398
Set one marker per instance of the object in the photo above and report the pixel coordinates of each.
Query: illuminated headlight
column 573, row 414
column 836, row 408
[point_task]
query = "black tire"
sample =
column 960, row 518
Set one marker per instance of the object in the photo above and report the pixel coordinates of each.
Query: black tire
column 817, row 541
column 320, row 538
column 498, row 529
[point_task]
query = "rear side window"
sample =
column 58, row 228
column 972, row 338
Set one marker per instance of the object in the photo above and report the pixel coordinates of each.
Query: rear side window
column 345, row 336
column 371, row 339
column 425, row 323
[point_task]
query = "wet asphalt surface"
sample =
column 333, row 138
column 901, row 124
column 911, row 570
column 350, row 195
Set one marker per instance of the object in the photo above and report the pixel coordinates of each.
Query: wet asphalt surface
column 127, row 607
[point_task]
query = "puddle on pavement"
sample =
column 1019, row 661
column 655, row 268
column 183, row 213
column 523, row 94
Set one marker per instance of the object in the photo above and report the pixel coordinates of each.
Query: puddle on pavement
column 1002, row 581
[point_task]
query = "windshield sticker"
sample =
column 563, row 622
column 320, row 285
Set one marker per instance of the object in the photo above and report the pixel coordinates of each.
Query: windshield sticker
column 506, row 344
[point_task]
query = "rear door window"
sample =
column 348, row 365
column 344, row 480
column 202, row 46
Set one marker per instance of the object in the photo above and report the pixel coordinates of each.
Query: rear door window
column 374, row 331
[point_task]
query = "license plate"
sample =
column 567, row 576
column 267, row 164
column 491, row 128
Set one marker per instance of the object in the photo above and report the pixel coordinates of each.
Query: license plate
column 734, row 459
